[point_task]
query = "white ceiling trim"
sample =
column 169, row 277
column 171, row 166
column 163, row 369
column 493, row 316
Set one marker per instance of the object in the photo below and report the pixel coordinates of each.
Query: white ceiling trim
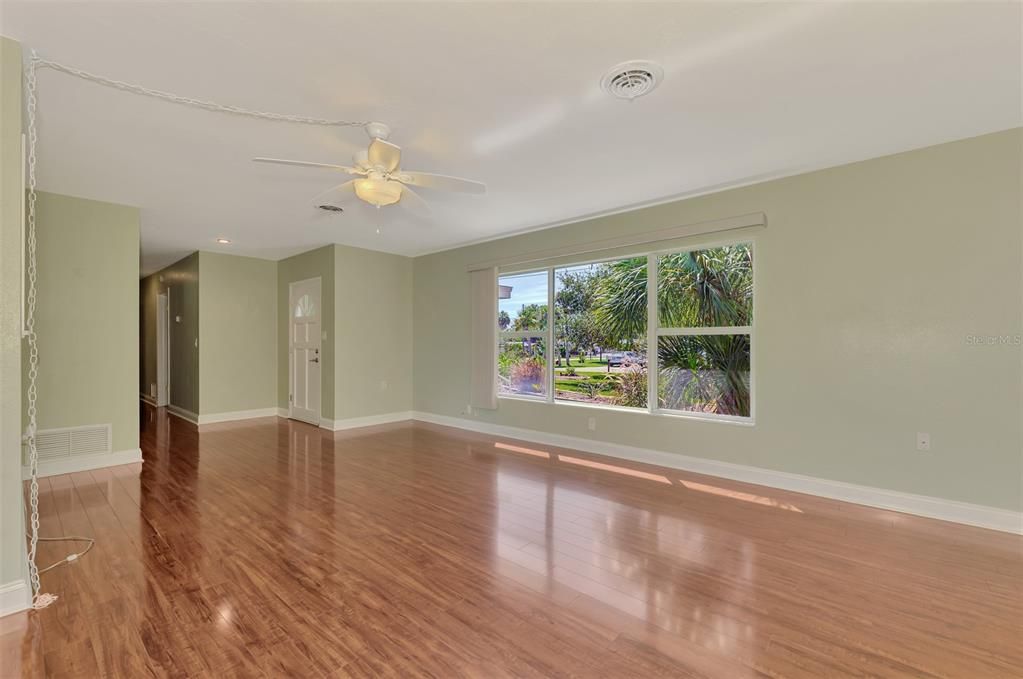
column 706, row 191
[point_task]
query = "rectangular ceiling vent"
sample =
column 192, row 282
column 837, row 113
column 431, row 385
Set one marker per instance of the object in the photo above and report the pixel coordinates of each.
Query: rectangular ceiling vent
column 73, row 441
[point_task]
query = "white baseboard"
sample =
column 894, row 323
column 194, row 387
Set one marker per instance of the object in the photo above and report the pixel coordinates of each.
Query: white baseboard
column 183, row 414
column 237, row 415
column 15, row 597
column 368, row 421
column 920, row 505
column 81, row 463
column 283, row 412
column 148, row 399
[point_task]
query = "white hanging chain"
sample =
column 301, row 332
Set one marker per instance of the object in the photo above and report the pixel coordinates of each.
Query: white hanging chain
column 40, row 599
column 189, row 101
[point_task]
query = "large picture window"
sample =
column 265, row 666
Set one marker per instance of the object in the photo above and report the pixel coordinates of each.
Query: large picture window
column 594, row 334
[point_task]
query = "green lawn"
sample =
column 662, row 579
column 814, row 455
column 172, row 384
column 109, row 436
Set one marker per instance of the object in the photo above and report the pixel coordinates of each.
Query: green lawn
column 588, row 365
column 579, row 385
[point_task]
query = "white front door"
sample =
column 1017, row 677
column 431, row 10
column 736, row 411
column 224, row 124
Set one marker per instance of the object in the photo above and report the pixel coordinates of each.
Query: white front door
column 304, row 350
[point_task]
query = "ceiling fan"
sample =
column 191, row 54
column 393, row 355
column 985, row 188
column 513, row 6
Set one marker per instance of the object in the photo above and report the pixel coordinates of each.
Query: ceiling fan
column 380, row 180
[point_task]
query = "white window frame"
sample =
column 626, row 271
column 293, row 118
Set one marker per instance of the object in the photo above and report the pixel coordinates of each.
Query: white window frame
column 654, row 331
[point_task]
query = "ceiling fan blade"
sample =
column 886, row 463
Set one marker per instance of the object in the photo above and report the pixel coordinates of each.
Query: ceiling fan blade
column 384, row 154
column 412, row 202
column 304, row 163
column 338, row 195
column 441, row 182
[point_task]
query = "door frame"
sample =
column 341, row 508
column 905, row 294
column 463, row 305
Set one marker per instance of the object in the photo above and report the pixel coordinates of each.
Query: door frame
column 291, row 350
column 163, row 348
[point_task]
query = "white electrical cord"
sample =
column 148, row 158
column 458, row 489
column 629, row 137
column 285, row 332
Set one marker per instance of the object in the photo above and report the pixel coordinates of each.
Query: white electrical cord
column 73, row 556
column 40, row 599
column 189, row 101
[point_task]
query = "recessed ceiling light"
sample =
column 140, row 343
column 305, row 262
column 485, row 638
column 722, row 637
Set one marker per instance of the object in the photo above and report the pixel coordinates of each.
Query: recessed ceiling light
column 223, row 241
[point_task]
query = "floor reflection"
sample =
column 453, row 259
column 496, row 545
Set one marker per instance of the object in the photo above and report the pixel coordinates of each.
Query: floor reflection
column 664, row 569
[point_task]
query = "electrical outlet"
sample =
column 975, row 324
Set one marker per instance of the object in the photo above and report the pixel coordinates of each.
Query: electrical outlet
column 467, row 410
column 383, row 385
column 923, row 441
column 591, row 424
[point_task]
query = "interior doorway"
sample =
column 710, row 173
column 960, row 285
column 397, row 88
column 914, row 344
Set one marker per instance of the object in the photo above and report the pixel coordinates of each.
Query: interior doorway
column 163, row 349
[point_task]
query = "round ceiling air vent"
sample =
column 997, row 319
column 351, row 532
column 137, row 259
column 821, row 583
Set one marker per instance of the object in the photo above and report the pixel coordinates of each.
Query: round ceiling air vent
column 632, row 79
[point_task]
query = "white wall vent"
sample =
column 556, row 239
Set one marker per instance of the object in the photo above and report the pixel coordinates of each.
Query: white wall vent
column 91, row 439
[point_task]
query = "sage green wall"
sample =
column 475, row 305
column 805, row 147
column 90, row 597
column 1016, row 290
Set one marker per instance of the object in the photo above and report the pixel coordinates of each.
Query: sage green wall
column 237, row 333
column 182, row 280
column 373, row 308
column 87, row 317
column 310, row 264
column 13, row 564
column 871, row 279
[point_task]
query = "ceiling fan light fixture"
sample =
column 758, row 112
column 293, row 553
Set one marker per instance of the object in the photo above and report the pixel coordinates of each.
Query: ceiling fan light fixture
column 378, row 192
column 379, row 179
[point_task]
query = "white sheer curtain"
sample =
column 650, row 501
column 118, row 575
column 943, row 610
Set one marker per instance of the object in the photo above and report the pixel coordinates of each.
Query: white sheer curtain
column 483, row 390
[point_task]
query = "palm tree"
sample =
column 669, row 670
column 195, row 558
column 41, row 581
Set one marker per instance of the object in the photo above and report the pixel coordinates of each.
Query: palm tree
column 700, row 288
column 620, row 300
column 531, row 317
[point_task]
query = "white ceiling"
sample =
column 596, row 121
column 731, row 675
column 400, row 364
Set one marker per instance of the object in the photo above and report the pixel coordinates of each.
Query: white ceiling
column 504, row 93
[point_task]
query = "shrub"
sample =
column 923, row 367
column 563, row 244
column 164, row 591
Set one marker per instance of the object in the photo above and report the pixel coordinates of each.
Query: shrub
column 527, row 375
column 631, row 388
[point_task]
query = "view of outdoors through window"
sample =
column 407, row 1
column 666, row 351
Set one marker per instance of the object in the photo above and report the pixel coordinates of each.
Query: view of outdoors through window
column 705, row 307
column 599, row 339
column 522, row 328
column 599, row 351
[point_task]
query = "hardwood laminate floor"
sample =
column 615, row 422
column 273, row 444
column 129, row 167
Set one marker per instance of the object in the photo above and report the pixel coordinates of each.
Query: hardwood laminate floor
column 273, row 548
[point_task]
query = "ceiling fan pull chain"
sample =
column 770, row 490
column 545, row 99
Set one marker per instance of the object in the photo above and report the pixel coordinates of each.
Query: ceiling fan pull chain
column 38, row 62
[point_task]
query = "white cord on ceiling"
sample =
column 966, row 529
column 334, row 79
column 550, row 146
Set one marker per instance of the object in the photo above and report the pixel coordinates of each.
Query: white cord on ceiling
column 39, row 599
column 189, row 101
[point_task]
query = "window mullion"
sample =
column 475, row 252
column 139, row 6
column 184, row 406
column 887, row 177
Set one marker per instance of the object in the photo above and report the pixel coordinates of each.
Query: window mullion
column 708, row 330
column 550, row 335
column 651, row 334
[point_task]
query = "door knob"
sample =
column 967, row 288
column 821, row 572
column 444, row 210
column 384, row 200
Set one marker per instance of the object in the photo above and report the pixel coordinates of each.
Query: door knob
column 314, row 360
